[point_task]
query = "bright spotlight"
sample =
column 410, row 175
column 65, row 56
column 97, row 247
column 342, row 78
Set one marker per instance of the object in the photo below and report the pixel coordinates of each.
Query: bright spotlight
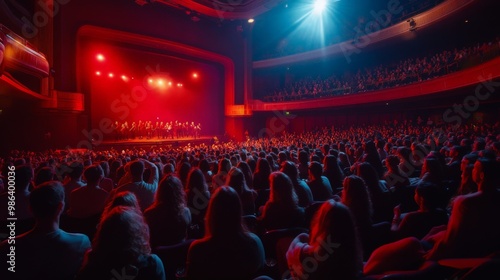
column 195, row 75
column 124, row 78
column 100, row 57
column 160, row 82
column 319, row 6
column 111, row 75
column 150, row 81
column 251, row 20
column 98, row 73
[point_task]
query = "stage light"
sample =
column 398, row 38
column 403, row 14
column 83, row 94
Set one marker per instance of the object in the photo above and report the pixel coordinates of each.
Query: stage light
column 160, row 82
column 100, row 57
column 319, row 6
column 98, row 73
column 251, row 20
column 195, row 75
column 170, row 83
column 124, row 78
column 179, row 84
column 111, row 75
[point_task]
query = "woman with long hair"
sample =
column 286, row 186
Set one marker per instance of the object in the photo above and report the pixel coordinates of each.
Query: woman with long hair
column 332, row 171
column 236, row 180
column 379, row 193
column 282, row 209
column 332, row 246
column 228, row 250
column 121, row 246
column 247, row 171
column 261, row 175
column 300, row 186
column 168, row 217
column 198, row 197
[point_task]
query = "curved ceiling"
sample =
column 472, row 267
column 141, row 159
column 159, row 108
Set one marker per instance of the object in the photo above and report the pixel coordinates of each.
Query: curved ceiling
column 222, row 9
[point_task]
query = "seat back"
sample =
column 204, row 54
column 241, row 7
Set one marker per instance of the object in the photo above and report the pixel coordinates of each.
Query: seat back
column 174, row 257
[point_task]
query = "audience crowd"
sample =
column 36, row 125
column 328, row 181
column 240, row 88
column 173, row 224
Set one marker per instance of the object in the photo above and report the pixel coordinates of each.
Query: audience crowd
column 347, row 202
column 404, row 72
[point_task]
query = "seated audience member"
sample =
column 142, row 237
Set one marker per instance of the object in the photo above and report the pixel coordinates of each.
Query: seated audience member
column 471, row 232
column 73, row 179
column 300, row 186
column 46, row 251
column 394, row 177
column 198, row 197
column 168, row 218
column 227, row 251
column 106, row 182
column 379, row 193
column 282, row 209
column 143, row 190
column 122, row 199
column 183, row 172
column 247, row 171
column 168, row 169
column 121, row 248
column 332, row 171
column 319, row 185
column 220, row 178
column 236, row 180
column 261, row 175
column 88, row 200
column 44, row 174
column 332, row 245
column 204, row 166
column 419, row 223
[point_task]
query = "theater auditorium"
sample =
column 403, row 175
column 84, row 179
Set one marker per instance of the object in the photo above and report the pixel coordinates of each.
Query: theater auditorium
column 345, row 139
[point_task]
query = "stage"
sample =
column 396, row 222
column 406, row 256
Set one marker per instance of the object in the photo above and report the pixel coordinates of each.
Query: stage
column 136, row 143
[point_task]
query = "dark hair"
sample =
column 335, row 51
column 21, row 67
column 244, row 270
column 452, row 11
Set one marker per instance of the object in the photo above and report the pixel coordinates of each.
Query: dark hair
column 46, row 198
column 224, row 213
column 93, row 173
column 316, row 169
column 125, row 198
column 121, row 238
column 137, row 168
column 170, row 194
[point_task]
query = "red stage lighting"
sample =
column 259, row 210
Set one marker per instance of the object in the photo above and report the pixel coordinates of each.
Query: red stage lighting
column 98, row 73
column 111, row 75
column 100, row 57
column 195, row 75
column 124, row 78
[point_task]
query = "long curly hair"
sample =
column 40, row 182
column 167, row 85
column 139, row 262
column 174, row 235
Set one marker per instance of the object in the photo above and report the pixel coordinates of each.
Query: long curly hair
column 122, row 237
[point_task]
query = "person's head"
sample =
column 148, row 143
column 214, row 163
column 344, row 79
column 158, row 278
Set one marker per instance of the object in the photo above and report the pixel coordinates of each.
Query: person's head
column 122, row 199
column 468, row 159
column 137, row 170
column 366, row 171
column 485, row 174
column 433, row 168
column 315, row 170
column 184, row 171
column 168, row 169
column 76, row 170
column 282, row 190
column 24, row 175
column 224, row 213
column 170, row 193
column 427, row 196
column 47, row 201
column 44, row 174
column 392, row 162
column 356, row 196
column 204, row 165
column 263, row 167
column 247, row 171
column 224, row 165
column 121, row 238
column 291, row 170
column 303, row 157
column 196, row 180
column 93, row 174
column 333, row 224
column 236, row 180
column 105, row 167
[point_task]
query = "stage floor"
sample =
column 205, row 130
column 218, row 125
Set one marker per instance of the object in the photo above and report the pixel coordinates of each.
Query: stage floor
column 176, row 142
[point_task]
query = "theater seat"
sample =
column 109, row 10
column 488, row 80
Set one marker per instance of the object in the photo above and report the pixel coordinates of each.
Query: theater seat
column 174, row 257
